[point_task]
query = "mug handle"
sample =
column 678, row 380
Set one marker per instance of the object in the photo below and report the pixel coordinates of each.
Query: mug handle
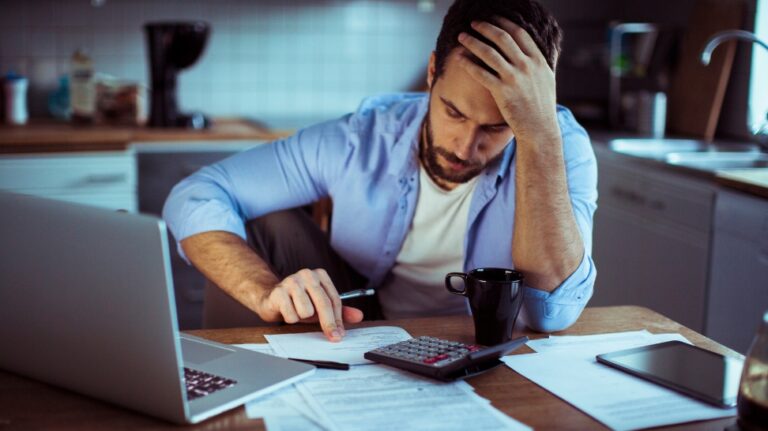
column 450, row 287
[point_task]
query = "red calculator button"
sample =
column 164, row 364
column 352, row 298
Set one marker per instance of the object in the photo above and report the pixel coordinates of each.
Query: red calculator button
column 473, row 348
column 431, row 360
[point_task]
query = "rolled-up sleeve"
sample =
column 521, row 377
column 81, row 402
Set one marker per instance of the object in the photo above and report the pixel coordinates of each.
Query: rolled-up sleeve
column 559, row 309
column 278, row 175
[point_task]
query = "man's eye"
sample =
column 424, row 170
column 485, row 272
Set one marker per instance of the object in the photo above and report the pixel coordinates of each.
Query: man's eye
column 496, row 129
column 453, row 114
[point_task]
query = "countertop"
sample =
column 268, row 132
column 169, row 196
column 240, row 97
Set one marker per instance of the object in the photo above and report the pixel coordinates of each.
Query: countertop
column 752, row 181
column 42, row 136
column 55, row 136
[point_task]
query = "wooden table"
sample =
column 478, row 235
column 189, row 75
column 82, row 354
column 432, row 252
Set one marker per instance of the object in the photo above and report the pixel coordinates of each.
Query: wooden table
column 29, row 405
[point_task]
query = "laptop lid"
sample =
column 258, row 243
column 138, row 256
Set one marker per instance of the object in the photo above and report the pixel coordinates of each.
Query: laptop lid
column 86, row 303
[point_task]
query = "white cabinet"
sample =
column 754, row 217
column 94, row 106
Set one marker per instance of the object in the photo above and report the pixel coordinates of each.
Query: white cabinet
column 652, row 239
column 103, row 179
column 738, row 294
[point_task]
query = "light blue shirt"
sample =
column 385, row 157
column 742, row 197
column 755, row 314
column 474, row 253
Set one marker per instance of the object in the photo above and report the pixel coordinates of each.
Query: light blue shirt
column 367, row 162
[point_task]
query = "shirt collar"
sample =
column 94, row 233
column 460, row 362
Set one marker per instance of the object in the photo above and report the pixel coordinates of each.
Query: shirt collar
column 406, row 148
column 506, row 160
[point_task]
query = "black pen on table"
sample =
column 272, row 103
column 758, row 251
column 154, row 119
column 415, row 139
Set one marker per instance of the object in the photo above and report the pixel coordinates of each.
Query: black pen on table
column 330, row 364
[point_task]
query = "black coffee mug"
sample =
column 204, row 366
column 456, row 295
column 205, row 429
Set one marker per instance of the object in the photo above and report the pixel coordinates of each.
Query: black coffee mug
column 495, row 296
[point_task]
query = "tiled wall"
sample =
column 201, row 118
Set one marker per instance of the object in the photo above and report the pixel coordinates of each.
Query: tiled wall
column 285, row 62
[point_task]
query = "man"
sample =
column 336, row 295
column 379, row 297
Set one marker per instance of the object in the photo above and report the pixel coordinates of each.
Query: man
column 486, row 170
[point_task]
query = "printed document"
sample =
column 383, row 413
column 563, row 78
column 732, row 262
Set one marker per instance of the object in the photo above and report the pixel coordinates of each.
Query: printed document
column 282, row 410
column 566, row 366
column 377, row 397
column 350, row 350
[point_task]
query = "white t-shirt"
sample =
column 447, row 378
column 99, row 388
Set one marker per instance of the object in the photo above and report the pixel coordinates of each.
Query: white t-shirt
column 433, row 247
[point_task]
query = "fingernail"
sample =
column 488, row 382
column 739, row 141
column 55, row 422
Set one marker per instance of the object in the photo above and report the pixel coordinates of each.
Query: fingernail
column 335, row 334
column 462, row 36
column 342, row 331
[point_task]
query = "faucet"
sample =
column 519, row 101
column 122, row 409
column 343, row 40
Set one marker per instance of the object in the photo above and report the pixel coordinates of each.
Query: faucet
column 761, row 135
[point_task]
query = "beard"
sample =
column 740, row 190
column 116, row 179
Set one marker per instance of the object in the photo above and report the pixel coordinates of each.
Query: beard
column 430, row 154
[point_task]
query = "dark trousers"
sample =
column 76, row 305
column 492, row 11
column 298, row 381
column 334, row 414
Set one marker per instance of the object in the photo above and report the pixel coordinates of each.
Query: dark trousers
column 288, row 241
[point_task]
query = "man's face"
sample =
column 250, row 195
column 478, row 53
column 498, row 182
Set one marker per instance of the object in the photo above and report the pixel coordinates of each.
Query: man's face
column 464, row 130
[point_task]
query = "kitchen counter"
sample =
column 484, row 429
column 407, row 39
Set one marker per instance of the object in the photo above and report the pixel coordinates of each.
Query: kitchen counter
column 42, row 136
column 753, row 181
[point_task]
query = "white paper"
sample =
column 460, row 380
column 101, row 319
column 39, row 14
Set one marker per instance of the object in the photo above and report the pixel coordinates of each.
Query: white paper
column 568, row 369
column 350, row 350
column 588, row 342
column 375, row 397
column 285, row 409
column 259, row 347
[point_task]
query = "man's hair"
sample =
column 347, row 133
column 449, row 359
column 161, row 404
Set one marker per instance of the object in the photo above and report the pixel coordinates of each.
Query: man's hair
column 528, row 14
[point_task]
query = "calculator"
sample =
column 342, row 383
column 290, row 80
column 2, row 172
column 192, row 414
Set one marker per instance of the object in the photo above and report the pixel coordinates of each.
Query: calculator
column 442, row 359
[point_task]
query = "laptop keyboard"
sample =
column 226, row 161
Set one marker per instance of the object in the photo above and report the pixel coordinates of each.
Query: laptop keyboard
column 200, row 384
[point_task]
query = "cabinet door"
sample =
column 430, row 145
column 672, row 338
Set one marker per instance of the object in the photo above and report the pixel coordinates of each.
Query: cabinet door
column 738, row 293
column 651, row 242
column 652, row 264
column 159, row 172
column 104, row 179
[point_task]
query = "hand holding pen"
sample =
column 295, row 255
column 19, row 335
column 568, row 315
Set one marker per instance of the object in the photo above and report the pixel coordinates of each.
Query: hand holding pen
column 310, row 296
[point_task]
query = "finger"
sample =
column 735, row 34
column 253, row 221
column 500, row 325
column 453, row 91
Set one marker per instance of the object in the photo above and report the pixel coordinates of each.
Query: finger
column 322, row 303
column 301, row 301
column 486, row 54
column 503, row 41
column 484, row 77
column 523, row 39
column 324, row 312
column 351, row 314
column 333, row 295
column 282, row 301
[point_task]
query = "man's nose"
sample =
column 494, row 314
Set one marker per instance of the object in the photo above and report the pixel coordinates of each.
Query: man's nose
column 467, row 147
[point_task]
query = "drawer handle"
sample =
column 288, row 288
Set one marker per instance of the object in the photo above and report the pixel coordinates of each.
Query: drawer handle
column 658, row 205
column 106, row 178
column 628, row 196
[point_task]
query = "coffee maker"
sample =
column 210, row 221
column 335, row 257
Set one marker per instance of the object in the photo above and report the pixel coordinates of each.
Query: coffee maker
column 172, row 47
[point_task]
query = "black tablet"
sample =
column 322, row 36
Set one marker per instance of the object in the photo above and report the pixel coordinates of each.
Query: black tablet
column 693, row 371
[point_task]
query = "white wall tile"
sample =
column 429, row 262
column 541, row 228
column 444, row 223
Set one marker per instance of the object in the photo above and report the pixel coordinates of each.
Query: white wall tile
column 275, row 59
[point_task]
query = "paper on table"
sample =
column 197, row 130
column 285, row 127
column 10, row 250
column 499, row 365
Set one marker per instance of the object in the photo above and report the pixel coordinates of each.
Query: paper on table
column 350, row 350
column 376, row 397
column 590, row 344
column 285, row 409
column 258, row 347
column 618, row 400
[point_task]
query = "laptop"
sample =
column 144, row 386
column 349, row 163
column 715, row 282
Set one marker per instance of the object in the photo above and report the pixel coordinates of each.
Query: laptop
column 87, row 303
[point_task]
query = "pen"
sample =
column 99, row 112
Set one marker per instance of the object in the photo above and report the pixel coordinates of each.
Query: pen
column 357, row 293
column 324, row 364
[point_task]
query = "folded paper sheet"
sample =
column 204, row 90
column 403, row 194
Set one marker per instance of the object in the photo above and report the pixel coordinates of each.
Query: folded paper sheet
column 566, row 366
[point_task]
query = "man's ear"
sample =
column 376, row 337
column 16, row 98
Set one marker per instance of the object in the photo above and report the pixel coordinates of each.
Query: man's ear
column 431, row 70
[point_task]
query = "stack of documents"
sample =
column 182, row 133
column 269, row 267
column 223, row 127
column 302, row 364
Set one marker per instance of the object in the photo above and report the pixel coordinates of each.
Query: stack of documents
column 368, row 396
column 566, row 366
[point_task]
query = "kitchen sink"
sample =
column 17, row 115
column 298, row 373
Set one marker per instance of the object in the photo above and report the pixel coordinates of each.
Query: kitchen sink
column 717, row 160
column 659, row 148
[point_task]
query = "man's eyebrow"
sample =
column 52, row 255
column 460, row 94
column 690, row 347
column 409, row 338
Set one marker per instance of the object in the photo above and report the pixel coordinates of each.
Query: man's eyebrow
column 452, row 106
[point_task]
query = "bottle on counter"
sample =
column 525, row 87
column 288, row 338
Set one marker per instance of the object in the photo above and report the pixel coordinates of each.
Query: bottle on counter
column 82, row 89
column 15, row 88
column 753, row 389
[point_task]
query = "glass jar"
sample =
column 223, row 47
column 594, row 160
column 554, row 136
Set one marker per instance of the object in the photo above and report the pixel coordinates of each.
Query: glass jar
column 753, row 389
